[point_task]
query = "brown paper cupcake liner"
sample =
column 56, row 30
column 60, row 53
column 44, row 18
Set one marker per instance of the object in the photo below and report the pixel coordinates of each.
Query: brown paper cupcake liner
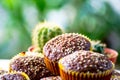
column 72, row 75
column 52, row 66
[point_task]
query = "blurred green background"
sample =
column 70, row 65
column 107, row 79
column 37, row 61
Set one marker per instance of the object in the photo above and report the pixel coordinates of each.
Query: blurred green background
column 98, row 19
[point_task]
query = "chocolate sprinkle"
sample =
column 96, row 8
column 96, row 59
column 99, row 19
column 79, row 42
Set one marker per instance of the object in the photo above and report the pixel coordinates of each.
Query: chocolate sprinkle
column 86, row 61
column 65, row 44
column 33, row 66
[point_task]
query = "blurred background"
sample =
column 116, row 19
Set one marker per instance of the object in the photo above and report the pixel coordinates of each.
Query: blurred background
column 98, row 19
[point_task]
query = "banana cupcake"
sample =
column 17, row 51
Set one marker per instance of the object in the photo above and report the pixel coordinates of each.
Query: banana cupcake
column 85, row 65
column 61, row 46
column 32, row 64
column 14, row 76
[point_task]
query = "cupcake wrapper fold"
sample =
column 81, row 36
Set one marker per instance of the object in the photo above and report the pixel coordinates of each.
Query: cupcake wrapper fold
column 83, row 76
column 52, row 66
column 72, row 75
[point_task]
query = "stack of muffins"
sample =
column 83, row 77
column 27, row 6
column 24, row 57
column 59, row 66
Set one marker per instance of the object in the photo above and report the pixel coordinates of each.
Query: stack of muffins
column 61, row 46
column 65, row 57
column 69, row 55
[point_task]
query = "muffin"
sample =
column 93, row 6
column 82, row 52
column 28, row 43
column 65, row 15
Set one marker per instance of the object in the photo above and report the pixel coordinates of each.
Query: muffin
column 33, row 65
column 61, row 46
column 52, row 78
column 85, row 65
column 14, row 76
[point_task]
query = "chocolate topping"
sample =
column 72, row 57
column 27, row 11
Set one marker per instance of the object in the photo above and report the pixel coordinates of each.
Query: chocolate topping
column 65, row 44
column 52, row 78
column 9, row 76
column 33, row 66
column 86, row 61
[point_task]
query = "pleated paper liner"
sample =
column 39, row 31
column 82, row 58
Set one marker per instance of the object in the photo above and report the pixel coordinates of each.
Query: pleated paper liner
column 72, row 75
column 83, row 76
column 114, row 77
column 52, row 66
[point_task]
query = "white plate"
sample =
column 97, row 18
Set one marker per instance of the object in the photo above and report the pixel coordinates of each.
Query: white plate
column 4, row 63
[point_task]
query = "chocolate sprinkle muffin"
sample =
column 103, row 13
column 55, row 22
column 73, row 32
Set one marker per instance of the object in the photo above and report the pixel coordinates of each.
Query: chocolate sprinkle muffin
column 52, row 78
column 65, row 44
column 32, row 65
column 86, row 62
column 61, row 46
column 14, row 76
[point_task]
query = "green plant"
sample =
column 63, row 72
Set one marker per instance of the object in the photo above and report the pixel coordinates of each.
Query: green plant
column 44, row 32
column 97, row 46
